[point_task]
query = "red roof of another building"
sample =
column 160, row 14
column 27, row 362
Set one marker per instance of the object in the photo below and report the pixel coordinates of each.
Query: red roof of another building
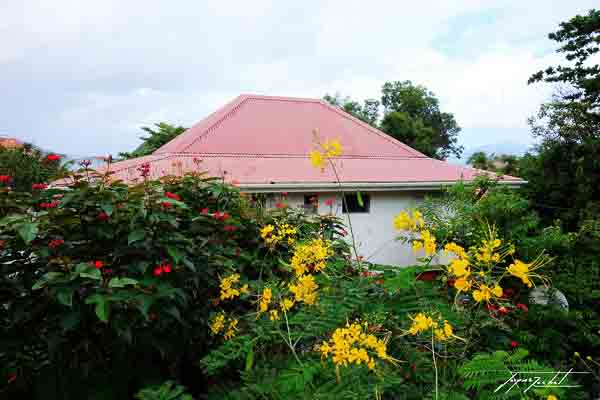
column 264, row 140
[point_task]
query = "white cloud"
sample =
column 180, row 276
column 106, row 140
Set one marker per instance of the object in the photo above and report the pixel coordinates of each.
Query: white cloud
column 82, row 76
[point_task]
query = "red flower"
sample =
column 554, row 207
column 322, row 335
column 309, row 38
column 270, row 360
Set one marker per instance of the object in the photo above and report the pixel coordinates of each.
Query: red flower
column 507, row 293
column 451, row 282
column 108, row 271
column 427, row 276
column 39, row 186
column 523, row 307
column 52, row 204
column 173, row 196
column 503, row 310
column 238, row 251
column 166, row 204
column 102, row 216
column 284, row 194
column 219, row 216
column 280, row 204
column 55, row 243
column 98, row 264
column 514, row 344
column 5, row 178
column 144, row 170
column 11, row 378
column 491, row 307
column 158, row 271
column 204, row 211
column 329, row 202
column 230, row 228
column 166, row 268
column 53, row 157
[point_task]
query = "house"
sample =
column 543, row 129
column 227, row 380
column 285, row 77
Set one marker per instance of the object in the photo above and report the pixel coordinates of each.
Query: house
column 261, row 144
column 10, row 142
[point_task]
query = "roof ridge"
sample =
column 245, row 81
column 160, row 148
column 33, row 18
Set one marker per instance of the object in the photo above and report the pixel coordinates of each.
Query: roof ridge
column 281, row 98
column 383, row 135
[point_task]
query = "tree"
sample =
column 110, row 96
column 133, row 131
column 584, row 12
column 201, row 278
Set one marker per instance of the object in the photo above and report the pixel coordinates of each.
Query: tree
column 479, row 160
column 158, row 137
column 367, row 112
column 27, row 165
column 424, row 126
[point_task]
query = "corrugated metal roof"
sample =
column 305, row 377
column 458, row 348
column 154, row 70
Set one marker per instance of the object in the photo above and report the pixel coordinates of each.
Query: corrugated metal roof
column 265, row 139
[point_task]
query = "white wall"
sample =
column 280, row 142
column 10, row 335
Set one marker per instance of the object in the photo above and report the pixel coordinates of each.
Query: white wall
column 374, row 231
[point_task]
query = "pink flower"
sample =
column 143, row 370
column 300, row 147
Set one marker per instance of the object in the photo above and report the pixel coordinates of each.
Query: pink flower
column 329, row 202
column 514, row 344
column 173, row 196
column 144, row 170
column 204, row 211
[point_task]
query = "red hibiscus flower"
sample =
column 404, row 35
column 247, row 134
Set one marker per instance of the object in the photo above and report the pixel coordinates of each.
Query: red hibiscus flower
column 144, row 170
column 230, row 228
column 53, row 157
column 220, row 216
column 204, row 211
column 11, row 378
column 329, row 202
column 173, row 196
column 284, row 194
column 5, row 178
column 166, row 268
column 158, row 271
column 166, row 204
column 280, row 204
column 503, row 310
column 52, row 204
column 514, row 344
column 98, row 264
column 102, row 216
column 39, row 186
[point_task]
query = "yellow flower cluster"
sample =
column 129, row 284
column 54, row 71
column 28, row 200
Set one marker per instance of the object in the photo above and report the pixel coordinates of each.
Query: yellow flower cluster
column 272, row 235
column 426, row 241
column 413, row 221
column 265, row 300
column 404, row 221
column 221, row 323
column 422, row 323
column 525, row 272
column 228, row 289
column 311, row 256
column 305, row 289
column 324, row 151
column 353, row 345
column 285, row 305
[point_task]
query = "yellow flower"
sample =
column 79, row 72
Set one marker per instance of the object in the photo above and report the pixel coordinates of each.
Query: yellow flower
column 332, row 148
column 311, row 256
column 227, row 289
column 404, row 222
column 462, row 284
column 456, row 249
column 305, row 289
column 274, row 315
column 428, row 242
column 521, row 271
column 286, row 304
column 444, row 333
column 281, row 233
column 460, row 268
column 420, row 323
column 265, row 299
column 231, row 329
column 316, row 159
column 217, row 324
column 485, row 293
column 417, row 245
column 551, row 397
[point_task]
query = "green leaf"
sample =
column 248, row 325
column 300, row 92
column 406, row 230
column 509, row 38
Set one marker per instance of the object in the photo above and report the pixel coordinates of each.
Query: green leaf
column 121, row 282
column 108, row 208
column 174, row 202
column 88, row 271
column 102, row 306
column 136, row 235
column 359, row 199
column 12, row 218
column 65, row 297
column 28, row 231
column 175, row 253
column 49, row 276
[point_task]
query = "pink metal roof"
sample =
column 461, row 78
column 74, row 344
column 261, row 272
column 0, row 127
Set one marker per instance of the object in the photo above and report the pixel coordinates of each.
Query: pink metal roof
column 263, row 140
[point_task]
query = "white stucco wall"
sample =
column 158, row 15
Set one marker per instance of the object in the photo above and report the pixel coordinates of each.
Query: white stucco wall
column 374, row 231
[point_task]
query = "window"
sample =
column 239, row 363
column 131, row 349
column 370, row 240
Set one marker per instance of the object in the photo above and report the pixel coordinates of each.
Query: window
column 311, row 203
column 352, row 204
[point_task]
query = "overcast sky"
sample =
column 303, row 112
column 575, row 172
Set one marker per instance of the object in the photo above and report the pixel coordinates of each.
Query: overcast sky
column 81, row 77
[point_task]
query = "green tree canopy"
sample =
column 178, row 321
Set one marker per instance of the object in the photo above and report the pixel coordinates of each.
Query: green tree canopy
column 162, row 134
column 28, row 165
column 411, row 114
